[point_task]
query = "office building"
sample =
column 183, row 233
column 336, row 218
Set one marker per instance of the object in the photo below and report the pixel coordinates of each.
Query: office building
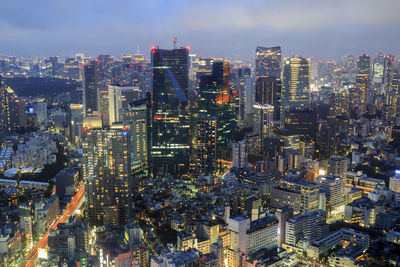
column 239, row 155
column 361, row 211
column 337, row 166
column 268, row 91
column 283, row 215
column 76, row 123
column 170, row 112
column 394, row 182
column 90, row 87
column 119, row 98
column 296, row 94
column 263, row 114
column 332, row 186
column 137, row 116
column 268, row 61
column 311, row 225
column 107, row 173
column 216, row 99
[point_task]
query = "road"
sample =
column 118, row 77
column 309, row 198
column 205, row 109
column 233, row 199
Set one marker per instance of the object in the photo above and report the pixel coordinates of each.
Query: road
column 75, row 203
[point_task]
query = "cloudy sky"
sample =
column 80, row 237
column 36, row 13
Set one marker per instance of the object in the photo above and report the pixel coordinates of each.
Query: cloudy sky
column 229, row 28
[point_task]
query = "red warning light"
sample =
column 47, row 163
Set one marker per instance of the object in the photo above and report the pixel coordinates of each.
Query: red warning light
column 188, row 48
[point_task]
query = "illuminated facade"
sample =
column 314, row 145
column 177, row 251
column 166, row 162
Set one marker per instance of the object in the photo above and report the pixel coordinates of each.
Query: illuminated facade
column 206, row 144
column 119, row 98
column 107, row 174
column 138, row 116
column 296, row 93
column 216, row 99
column 268, row 61
column 76, row 123
column 170, row 112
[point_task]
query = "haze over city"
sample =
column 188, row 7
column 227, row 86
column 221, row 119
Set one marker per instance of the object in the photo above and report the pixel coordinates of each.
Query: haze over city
column 327, row 29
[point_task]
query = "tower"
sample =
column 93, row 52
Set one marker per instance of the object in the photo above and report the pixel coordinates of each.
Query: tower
column 107, row 174
column 90, row 87
column 170, row 112
column 296, row 93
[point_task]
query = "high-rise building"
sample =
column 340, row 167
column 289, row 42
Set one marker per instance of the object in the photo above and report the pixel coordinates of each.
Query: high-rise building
column 268, row 61
column 170, row 112
column 90, row 87
column 118, row 99
column 394, row 183
column 311, row 225
column 107, row 174
column 283, row 215
column 206, row 144
column 268, row 91
column 296, row 94
column 337, row 166
column 264, row 120
column 12, row 109
column 76, row 123
column 137, row 116
column 382, row 72
column 332, row 186
column 239, row 155
column 216, row 99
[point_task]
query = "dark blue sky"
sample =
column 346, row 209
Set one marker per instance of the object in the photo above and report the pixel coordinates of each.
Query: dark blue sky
column 210, row 27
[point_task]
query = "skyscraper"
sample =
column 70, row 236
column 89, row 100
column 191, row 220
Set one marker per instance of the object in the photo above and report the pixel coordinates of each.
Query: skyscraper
column 90, row 87
column 137, row 116
column 382, row 72
column 296, row 93
column 107, row 174
column 268, row 61
column 170, row 112
column 206, row 144
column 119, row 98
column 216, row 99
column 76, row 123
column 268, row 91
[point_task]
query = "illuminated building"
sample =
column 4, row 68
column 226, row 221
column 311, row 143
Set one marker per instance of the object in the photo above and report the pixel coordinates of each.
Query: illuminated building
column 283, row 215
column 382, row 72
column 299, row 194
column 394, row 183
column 264, row 119
column 311, row 226
column 359, row 93
column 239, row 155
column 296, row 93
column 118, row 99
column 107, row 174
column 12, row 109
column 268, row 91
column 170, row 112
column 76, row 122
column 104, row 107
column 90, row 87
column 268, row 61
column 361, row 211
column 216, row 99
column 206, row 144
column 333, row 188
column 137, row 116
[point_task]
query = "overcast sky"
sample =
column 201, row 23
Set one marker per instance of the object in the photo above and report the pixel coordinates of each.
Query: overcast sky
column 228, row 28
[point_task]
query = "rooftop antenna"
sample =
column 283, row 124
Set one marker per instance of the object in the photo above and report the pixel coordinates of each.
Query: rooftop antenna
column 174, row 40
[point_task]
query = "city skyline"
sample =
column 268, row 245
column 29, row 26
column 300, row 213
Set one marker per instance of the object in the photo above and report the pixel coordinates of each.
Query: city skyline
column 308, row 28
